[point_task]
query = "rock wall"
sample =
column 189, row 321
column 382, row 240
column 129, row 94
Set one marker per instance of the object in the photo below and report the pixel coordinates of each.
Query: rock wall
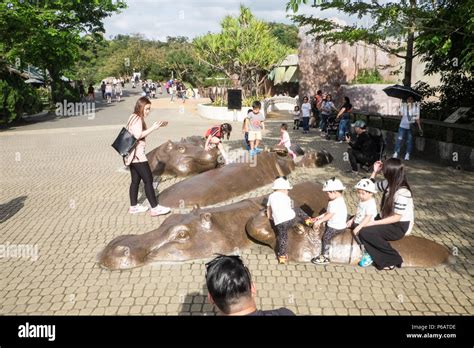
column 332, row 67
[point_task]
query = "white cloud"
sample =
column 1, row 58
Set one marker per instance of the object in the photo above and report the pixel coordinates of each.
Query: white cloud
column 157, row 19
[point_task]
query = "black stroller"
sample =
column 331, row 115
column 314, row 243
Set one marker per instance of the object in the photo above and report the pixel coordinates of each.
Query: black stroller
column 332, row 127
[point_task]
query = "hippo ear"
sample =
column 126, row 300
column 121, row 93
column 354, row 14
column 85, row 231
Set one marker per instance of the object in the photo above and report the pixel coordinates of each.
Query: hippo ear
column 196, row 207
column 206, row 217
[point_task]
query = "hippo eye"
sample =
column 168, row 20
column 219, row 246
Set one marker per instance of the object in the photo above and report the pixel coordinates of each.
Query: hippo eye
column 182, row 235
column 181, row 149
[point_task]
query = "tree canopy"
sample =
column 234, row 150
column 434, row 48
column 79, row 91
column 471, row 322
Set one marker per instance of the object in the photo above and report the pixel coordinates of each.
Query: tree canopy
column 245, row 47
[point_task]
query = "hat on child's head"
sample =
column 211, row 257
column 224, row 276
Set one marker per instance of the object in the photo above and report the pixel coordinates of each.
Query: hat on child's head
column 333, row 185
column 281, row 184
column 366, row 185
column 360, row 124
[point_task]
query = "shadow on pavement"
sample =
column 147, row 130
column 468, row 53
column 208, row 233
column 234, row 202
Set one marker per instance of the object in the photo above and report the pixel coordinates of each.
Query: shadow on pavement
column 9, row 209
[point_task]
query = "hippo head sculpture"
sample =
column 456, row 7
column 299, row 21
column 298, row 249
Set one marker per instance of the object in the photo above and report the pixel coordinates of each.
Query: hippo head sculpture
column 199, row 234
column 182, row 158
column 315, row 159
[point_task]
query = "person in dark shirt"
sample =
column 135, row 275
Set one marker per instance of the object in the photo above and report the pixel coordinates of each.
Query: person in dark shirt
column 231, row 288
column 362, row 150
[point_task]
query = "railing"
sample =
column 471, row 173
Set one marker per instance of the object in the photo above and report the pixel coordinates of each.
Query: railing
column 462, row 134
column 278, row 100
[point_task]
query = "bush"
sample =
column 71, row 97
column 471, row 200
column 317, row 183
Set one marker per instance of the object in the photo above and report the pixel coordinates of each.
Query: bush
column 368, row 76
column 17, row 98
column 249, row 101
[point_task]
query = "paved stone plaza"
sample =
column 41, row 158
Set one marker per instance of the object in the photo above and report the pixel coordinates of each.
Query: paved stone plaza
column 64, row 190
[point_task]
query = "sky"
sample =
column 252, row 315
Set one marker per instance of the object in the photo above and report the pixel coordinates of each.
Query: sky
column 157, row 19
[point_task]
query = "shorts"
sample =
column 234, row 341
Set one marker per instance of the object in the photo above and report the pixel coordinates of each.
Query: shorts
column 255, row 135
column 108, row 94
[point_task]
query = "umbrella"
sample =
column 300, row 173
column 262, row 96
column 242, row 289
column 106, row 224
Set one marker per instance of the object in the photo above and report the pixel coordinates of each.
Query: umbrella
column 402, row 92
column 34, row 82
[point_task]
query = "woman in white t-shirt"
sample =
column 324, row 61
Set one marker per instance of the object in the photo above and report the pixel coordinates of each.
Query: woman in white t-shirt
column 397, row 217
column 306, row 114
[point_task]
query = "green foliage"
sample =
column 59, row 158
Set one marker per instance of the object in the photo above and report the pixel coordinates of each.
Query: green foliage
column 287, row 35
column 17, row 98
column 219, row 101
column 368, row 76
column 247, row 102
column 447, row 41
column 244, row 47
column 49, row 34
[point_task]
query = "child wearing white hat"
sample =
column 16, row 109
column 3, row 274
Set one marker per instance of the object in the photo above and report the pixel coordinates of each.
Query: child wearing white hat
column 367, row 207
column 280, row 209
column 336, row 216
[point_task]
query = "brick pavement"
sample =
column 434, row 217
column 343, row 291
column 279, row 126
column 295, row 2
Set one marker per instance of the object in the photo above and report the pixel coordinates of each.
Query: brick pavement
column 64, row 191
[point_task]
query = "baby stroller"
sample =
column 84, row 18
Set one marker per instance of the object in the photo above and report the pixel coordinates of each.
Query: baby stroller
column 332, row 127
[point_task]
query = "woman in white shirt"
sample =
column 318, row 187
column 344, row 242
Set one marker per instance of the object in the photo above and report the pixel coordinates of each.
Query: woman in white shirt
column 397, row 217
column 410, row 112
column 306, row 113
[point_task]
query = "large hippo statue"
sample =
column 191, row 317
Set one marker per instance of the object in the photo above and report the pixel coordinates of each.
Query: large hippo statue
column 223, row 183
column 182, row 158
column 206, row 232
column 196, row 235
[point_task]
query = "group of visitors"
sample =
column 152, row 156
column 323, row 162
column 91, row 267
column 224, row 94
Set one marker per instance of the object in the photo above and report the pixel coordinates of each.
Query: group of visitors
column 176, row 88
column 112, row 89
column 228, row 280
column 371, row 230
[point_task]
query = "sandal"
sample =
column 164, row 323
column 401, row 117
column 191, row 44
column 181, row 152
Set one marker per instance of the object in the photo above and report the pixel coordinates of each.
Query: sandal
column 283, row 259
column 320, row 260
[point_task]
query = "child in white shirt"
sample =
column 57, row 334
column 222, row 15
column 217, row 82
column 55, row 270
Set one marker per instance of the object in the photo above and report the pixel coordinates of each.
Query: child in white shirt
column 285, row 139
column 296, row 117
column 280, row 209
column 366, row 209
column 336, row 216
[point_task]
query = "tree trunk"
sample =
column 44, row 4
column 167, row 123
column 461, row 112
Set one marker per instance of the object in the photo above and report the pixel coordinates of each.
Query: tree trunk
column 409, row 55
column 409, row 60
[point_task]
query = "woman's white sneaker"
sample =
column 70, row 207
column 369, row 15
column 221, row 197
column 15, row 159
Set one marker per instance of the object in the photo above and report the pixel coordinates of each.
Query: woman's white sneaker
column 159, row 210
column 137, row 209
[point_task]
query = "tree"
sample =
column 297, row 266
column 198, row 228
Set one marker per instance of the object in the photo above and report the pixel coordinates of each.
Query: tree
column 393, row 28
column 286, row 34
column 447, row 46
column 244, row 47
column 49, row 34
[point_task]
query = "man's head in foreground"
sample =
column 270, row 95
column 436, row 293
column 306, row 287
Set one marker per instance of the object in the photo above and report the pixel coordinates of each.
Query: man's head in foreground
column 230, row 285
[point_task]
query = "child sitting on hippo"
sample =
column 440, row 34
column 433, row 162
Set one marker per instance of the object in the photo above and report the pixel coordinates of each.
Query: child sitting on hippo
column 366, row 209
column 336, row 216
column 214, row 138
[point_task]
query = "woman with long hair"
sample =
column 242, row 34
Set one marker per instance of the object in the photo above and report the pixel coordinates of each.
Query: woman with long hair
column 139, row 168
column 397, row 217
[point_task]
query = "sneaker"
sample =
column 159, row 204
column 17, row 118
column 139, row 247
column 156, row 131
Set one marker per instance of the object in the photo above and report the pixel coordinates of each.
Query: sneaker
column 137, row 209
column 340, row 142
column 407, row 157
column 395, row 155
column 320, row 260
column 159, row 210
column 366, row 260
column 283, row 259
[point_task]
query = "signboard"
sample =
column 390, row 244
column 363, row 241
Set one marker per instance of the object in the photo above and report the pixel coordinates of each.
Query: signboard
column 456, row 115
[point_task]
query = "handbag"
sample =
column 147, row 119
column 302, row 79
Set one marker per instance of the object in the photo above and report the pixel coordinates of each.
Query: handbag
column 125, row 142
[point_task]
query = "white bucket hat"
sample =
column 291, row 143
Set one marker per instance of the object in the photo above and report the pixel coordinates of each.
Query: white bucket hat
column 366, row 185
column 333, row 185
column 281, row 184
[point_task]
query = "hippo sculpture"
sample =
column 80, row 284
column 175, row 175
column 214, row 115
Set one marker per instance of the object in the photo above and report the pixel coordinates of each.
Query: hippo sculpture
column 203, row 233
column 304, row 243
column 235, row 179
column 182, row 158
column 223, row 183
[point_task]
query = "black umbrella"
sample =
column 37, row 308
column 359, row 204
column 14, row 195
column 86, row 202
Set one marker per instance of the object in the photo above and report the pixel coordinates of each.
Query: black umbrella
column 402, row 92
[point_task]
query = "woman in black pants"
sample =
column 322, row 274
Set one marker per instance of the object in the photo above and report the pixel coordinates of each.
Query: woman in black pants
column 138, row 162
column 397, row 217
